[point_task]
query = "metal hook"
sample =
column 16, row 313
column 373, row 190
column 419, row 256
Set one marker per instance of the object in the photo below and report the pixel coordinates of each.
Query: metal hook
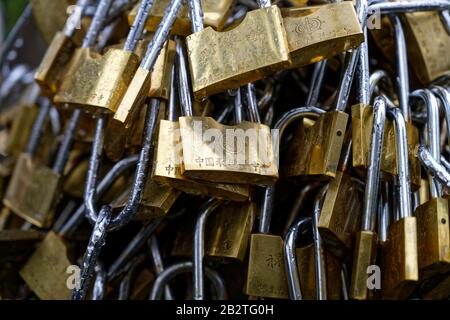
column 97, row 22
column 291, row 259
column 196, row 15
column 138, row 25
column 434, row 168
column 199, row 247
column 184, row 88
column 124, row 287
column 174, row 270
column 316, row 83
column 433, row 131
column 375, row 78
column 158, row 264
column 319, row 266
column 373, row 171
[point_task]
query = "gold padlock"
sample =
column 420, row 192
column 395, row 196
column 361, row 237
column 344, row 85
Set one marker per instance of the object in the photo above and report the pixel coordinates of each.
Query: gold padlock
column 215, row 13
column 366, row 239
column 399, row 252
column 316, row 33
column 266, row 275
column 61, row 43
column 254, row 49
column 229, row 231
column 97, row 83
column 340, row 216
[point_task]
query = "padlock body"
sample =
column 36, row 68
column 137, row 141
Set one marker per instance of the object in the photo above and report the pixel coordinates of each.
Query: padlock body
column 266, row 276
column 167, row 168
column 400, row 270
column 229, row 229
column 340, row 217
column 316, row 33
column 33, row 192
column 227, row 154
column 315, row 149
column 307, row 274
column 433, row 238
column 46, row 270
column 362, row 123
column 97, row 83
column 254, row 49
column 54, row 64
column 364, row 256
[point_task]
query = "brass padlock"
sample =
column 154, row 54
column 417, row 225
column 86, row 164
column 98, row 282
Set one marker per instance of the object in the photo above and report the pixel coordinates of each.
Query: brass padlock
column 169, row 155
column 49, row 261
column 316, row 33
column 215, row 13
column 266, row 275
column 428, row 53
column 254, row 49
column 399, row 252
column 340, row 215
column 362, row 119
column 34, row 188
column 229, row 229
column 62, row 45
column 432, row 217
column 366, row 239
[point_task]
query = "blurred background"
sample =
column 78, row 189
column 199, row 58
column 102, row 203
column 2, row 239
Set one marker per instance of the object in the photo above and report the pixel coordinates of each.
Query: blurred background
column 10, row 11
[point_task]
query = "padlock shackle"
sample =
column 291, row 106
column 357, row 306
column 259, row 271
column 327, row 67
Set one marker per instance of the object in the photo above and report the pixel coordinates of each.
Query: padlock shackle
column 297, row 205
column 373, row 170
column 97, row 23
column 363, row 65
column 125, row 283
column 161, row 35
column 433, row 131
column 98, row 289
column 408, row 7
column 117, row 170
column 184, row 87
column 136, row 244
column 196, row 15
column 38, row 128
column 70, row 25
column 66, row 144
column 319, row 266
column 445, row 18
column 264, row 3
column 185, row 267
column 404, row 185
column 199, row 248
column 316, row 83
column 402, row 67
column 351, row 61
column 252, row 103
column 96, row 242
column 137, row 28
column 238, row 108
column 269, row 192
column 172, row 114
column 140, row 176
column 158, row 264
column 375, row 78
column 290, row 257
column 434, row 168
column 444, row 97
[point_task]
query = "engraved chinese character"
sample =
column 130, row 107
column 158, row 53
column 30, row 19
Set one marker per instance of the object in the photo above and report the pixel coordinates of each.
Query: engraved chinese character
column 209, row 162
column 274, row 261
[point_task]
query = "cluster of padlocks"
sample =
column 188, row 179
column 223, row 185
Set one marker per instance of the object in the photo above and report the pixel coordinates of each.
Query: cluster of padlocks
column 214, row 149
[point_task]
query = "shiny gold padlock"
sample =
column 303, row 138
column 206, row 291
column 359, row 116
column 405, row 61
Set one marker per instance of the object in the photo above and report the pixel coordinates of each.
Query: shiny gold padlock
column 256, row 48
column 97, row 83
column 215, row 14
column 250, row 159
column 316, row 33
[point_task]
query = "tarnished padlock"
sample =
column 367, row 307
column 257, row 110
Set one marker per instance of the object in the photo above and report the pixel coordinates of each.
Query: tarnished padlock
column 366, row 239
column 54, row 63
column 34, row 188
column 340, row 215
column 229, row 229
column 316, row 33
column 256, row 48
column 215, row 13
column 399, row 252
